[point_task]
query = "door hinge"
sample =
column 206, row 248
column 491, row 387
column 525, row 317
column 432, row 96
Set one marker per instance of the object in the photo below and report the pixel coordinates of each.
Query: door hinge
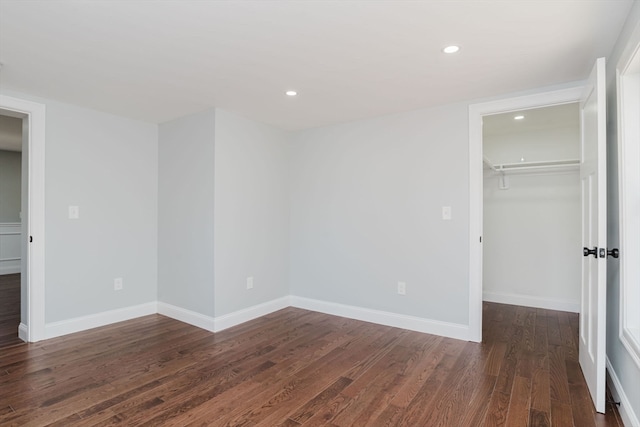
column 30, row 239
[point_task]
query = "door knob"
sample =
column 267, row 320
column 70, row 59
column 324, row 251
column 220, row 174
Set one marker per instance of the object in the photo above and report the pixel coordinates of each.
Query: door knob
column 587, row 252
column 613, row 252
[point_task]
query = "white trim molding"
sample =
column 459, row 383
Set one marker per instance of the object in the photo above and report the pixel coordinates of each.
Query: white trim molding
column 628, row 85
column 629, row 417
column 23, row 332
column 78, row 324
column 193, row 318
column 532, row 301
column 9, row 269
column 413, row 323
column 220, row 323
column 237, row 317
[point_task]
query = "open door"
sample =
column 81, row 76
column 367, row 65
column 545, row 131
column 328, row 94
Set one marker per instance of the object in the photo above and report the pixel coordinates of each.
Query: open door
column 594, row 234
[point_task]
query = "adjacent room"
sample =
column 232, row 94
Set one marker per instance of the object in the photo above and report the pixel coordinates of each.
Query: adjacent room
column 11, row 165
column 340, row 213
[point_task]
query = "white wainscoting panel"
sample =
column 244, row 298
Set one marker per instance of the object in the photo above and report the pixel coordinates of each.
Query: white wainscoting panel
column 10, row 247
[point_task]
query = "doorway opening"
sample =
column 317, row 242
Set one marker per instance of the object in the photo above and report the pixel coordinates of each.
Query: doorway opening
column 477, row 113
column 12, row 191
column 531, row 208
column 32, row 289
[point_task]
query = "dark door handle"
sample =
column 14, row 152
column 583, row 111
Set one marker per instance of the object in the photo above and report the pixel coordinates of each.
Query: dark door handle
column 614, row 253
column 587, row 252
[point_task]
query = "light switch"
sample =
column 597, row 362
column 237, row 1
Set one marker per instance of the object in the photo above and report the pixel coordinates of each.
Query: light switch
column 446, row 213
column 74, row 212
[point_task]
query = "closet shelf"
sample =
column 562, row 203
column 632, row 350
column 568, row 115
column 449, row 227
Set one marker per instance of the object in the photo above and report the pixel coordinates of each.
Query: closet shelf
column 542, row 166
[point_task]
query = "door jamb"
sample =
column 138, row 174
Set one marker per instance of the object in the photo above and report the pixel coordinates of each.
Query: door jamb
column 476, row 113
column 34, row 330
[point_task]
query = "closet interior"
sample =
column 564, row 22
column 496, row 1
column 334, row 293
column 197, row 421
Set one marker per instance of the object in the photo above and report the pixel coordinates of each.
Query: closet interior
column 532, row 207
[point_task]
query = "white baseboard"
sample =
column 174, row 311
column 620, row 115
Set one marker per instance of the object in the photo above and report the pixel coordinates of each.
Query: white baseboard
column 419, row 324
column 241, row 316
column 78, row 324
column 531, row 301
column 23, row 332
column 9, row 269
column 217, row 324
column 187, row 316
column 629, row 417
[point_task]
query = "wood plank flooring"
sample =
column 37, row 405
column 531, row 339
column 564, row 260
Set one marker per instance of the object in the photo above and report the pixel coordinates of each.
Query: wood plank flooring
column 301, row 368
column 9, row 309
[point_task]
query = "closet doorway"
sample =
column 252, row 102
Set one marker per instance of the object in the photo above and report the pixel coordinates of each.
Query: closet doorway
column 32, row 263
column 532, row 208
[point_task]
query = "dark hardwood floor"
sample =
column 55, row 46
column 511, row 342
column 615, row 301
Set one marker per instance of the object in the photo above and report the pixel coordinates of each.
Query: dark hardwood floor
column 9, row 309
column 301, row 368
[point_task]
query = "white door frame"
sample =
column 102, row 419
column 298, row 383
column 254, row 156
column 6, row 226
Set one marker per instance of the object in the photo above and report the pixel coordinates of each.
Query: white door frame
column 35, row 113
column 628, row 181
column 476, row 112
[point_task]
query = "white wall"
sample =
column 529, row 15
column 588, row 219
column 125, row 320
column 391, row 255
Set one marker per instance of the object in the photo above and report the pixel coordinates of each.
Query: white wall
column 251, row 213
column 107, row 166
column 531, row 241
column 186, row 212
column 10, row 185
column 560, row 143
column 366, row 201
column 619, row 362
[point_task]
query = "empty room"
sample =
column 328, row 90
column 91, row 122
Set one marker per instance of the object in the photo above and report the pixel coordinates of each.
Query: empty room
column 320, row 213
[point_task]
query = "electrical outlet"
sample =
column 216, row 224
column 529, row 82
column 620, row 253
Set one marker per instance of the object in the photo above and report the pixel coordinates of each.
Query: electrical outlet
column 250, row 282
column 117, row 284
column 402, row 288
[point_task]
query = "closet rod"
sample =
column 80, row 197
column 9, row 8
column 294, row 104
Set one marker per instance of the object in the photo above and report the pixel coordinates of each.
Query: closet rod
column 550, row 164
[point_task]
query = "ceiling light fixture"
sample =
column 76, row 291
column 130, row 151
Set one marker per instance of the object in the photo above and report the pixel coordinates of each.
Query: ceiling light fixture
column 291, row 93
column 518, row 118
column 451, row 49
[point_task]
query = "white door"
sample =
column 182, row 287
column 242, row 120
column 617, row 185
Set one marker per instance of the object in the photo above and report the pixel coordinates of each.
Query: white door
column 594, row 234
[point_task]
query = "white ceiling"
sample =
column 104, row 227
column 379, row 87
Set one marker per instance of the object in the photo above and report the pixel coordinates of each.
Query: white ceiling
column 158, row 60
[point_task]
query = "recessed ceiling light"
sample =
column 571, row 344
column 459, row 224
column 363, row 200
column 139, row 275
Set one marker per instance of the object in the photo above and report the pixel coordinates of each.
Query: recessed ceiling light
column 291, row 93
column 518, row 118
column 451, row 49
